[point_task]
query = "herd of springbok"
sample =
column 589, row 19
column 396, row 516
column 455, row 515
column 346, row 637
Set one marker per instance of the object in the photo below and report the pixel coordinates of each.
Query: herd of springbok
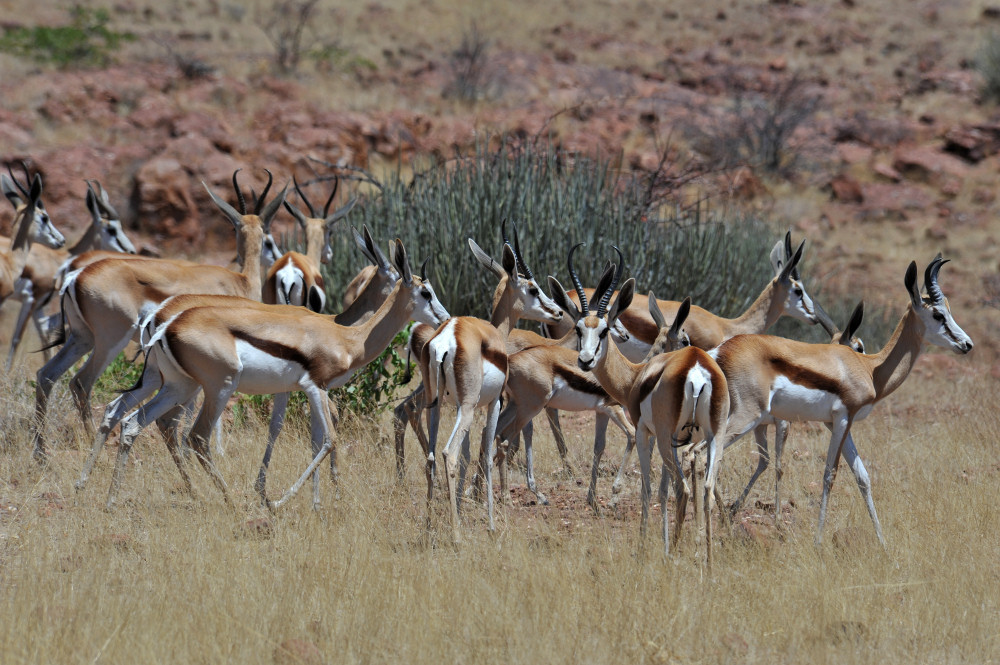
column 660, row 370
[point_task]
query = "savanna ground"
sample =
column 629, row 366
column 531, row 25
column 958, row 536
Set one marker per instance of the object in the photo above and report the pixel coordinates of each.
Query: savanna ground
column 168, row 577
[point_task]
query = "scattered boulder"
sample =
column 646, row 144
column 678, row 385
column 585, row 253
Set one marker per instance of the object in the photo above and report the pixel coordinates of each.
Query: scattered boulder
column 927, row 164
column 846, row 189
column 164, row 203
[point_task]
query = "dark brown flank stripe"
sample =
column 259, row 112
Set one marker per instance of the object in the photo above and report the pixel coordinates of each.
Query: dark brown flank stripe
column 580, row 382
column 495, row 357
column 805, row 377
column 281, row 351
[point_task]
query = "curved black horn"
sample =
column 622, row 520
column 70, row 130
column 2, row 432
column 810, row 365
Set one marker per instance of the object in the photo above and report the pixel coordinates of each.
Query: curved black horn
column 326, row 208
column 239, row 195
column 312, row 211
column 263, row 195
column 520, row 259
column 503, row 231
column 931, row 279
column 576, row 280
column 788, row 255
column 602, row 306
column 16, row 182
column 423, row 269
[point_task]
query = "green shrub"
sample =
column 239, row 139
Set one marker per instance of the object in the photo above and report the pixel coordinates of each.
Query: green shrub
column 86, row 41
column 557, row 199
column 120, row 375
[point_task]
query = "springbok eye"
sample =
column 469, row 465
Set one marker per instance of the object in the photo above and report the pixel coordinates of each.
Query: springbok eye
column 939, row 317
column 604, row 333
column 533, row 292
column 426, row 294
column 686, row 342
column 798, row 291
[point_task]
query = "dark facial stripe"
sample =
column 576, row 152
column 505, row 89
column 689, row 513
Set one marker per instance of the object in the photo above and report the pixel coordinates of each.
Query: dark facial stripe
column 580, row 381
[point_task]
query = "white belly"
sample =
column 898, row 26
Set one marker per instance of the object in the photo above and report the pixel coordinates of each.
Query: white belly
column 791, row 401
column 263, row 374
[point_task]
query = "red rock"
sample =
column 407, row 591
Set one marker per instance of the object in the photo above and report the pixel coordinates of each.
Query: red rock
column 779, row 64
column 887, row 172
column 852, row 152
column 165, row 205
column 973, row 143
column 846, row 189
column 927, row 164
column 881, row 199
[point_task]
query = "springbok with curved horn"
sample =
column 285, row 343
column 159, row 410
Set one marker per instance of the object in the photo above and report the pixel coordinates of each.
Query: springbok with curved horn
column 848, row 338
column 666, row 398
column 546, row 376
column 295, row 278
column 361, row 310
column 265, row 349
column 784, row 295
column 774, row 378
column 46, row 267
column 465, row 363
column 31, row 225
column 105, row 303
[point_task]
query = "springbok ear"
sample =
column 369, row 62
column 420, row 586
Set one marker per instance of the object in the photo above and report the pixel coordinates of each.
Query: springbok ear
column 854, row 323
column 402, row 263
column 624, row 299
column 316, row 299
column 509, row 262
column 341, row 212
column 230, row 212
column 910, row 280
column 362, row 243
column 654, row 311
column 484, row 259
column 92, row 207
column 10, row 190
column 778, row 257
column 562, row 299
column 36, row 187
column 296, row 213
column 793, row 262
column 681, row 317
column 267, row 214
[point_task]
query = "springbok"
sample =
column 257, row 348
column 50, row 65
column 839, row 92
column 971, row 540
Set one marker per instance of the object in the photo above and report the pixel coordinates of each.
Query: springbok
column 42, row 274
column 773, row 378
column 465, row 363
column 105, row 302
column 363, row 308
column 264, row 349
column 666, row 398
column 31, row 225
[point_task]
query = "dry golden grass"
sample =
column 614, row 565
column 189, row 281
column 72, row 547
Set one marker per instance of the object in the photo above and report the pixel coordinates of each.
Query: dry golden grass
column 167, row 577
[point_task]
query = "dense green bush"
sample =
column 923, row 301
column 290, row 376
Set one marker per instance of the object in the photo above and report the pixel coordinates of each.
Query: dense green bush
column 86, row 41
column 557, row 200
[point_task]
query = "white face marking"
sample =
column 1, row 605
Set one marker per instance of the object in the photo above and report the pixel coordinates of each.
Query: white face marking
column 941, row 330
column 536, row 305
column 289, row 284
column 592, row 343
column 43, row 232
column 427, row 308
column 114, row 237
column 798, row 304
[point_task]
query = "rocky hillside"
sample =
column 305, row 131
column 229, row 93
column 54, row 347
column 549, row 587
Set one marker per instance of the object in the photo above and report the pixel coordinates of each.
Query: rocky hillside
column 861, row 127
